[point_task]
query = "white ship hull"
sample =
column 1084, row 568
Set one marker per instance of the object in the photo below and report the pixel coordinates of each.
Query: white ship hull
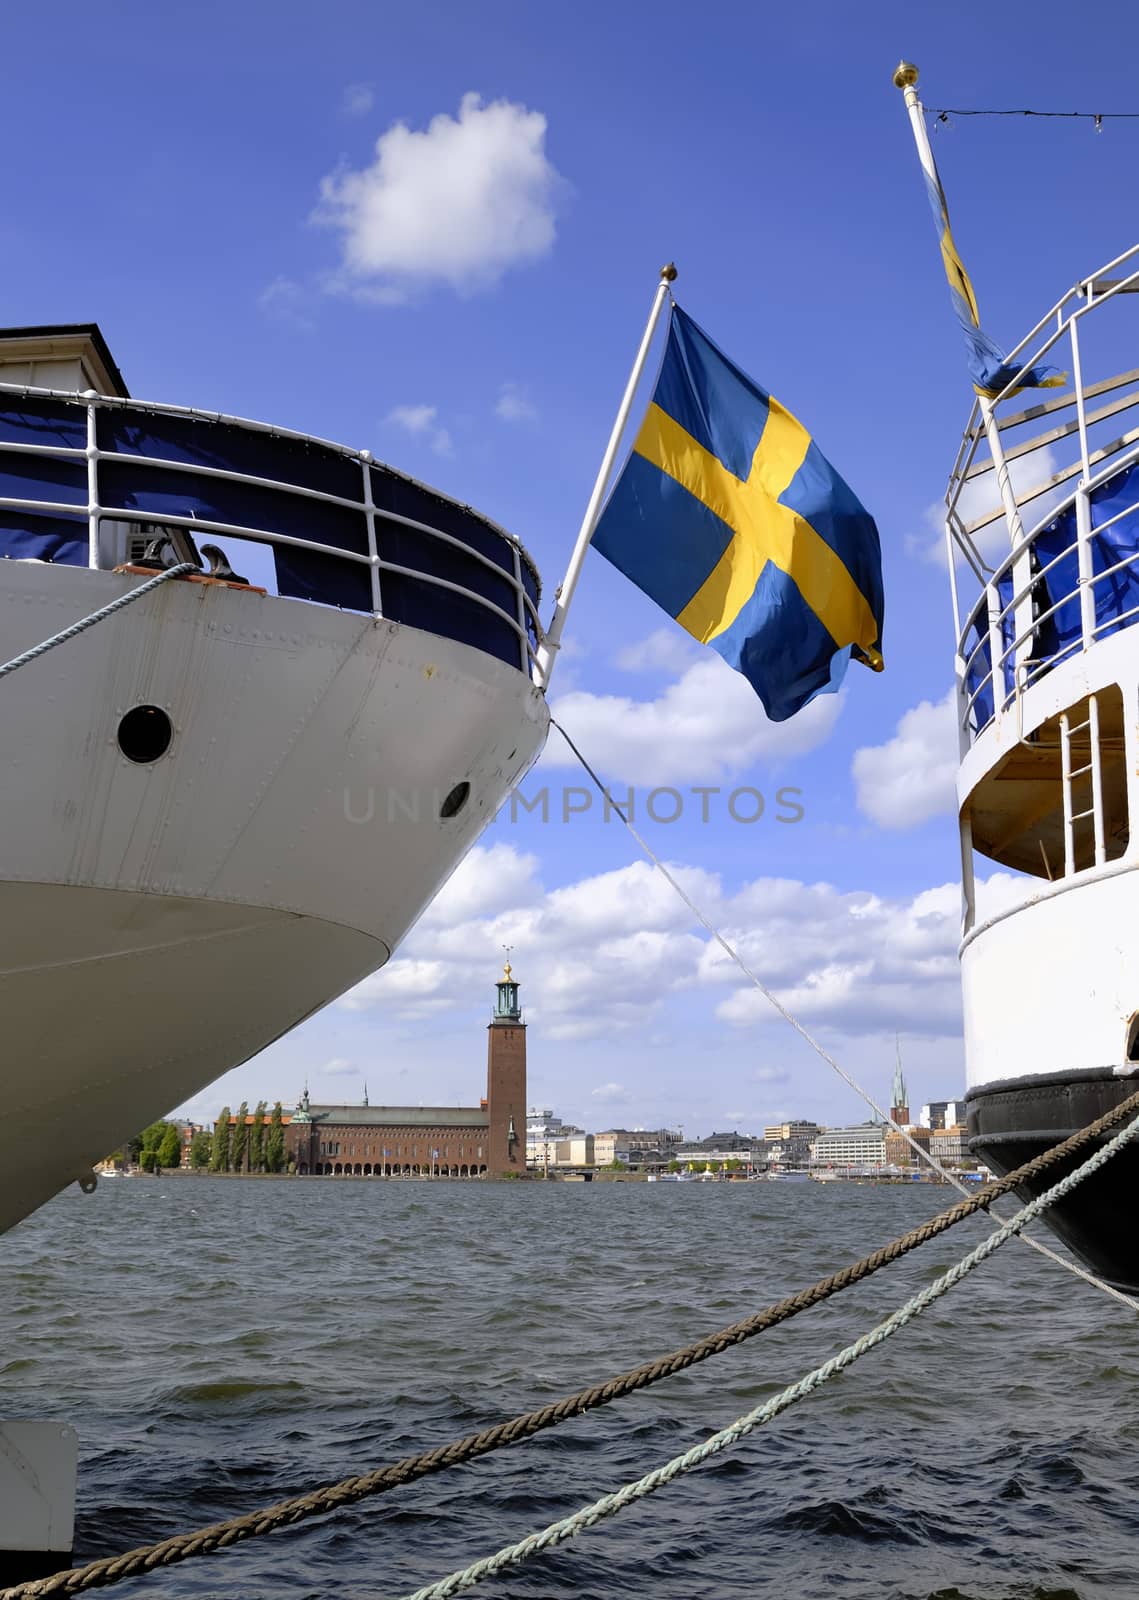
column 161, row 923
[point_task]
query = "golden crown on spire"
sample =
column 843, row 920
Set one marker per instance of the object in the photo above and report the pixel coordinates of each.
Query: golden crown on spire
column 507, row 970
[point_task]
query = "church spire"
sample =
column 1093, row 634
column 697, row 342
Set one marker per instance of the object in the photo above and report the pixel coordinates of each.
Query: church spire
column 900, row 1105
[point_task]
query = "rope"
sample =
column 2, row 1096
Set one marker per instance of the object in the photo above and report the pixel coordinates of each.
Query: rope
column 101, row 615
column 250, row 1525
column 1097, row 117
column 610, row 1504
column 773, row 999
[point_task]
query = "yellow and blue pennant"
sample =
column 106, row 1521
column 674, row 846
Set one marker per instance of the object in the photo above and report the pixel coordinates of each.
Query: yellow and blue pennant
column 729, row 516
column 989, row 367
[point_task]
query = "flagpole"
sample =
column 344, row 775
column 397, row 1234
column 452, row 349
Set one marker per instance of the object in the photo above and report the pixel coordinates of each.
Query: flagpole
column 550, row 645
column 905, row 79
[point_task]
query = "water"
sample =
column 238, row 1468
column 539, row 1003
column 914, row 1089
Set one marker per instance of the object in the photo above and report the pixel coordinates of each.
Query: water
column 221, row 1345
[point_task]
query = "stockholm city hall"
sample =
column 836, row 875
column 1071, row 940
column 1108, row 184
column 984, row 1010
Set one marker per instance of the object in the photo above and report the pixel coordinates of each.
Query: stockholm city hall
column 487, row 1140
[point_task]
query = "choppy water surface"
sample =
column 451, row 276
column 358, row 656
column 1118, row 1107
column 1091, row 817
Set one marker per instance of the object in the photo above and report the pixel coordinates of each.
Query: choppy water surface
column 221, row 1345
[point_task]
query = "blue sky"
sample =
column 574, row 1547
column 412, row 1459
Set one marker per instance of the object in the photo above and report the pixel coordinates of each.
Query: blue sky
column 196, row 179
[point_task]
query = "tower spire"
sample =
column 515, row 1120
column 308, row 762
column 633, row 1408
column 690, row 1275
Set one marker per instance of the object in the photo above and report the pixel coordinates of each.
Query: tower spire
column 899, row 1100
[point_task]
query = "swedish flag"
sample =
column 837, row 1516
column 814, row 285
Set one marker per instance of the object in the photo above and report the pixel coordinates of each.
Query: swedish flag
column 729, row 516
column 989, row 367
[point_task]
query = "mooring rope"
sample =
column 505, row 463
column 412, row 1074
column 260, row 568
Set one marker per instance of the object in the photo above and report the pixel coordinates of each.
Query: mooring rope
column 610, row 1504
column 836, row 1066
column 101, row 615
column 265, row 1520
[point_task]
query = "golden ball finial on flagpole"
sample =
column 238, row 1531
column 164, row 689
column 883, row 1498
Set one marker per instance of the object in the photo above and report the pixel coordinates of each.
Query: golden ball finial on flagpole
column 668, row 272
column 905, row 75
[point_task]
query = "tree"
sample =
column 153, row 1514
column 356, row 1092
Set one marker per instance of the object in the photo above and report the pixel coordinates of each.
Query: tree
column 275, row 1142
column 240, row 1141
column 674, row 1166
column 219, row 1146
column 618, row 1166
column 257, row 1139
column 170, row 1149
column 200, row 1146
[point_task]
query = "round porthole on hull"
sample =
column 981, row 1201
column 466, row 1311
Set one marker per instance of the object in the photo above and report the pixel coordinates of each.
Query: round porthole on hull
column 145, row 734
column 455, row 801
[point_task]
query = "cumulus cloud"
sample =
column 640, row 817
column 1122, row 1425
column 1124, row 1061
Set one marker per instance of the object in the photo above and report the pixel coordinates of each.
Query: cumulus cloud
column 338, row 1067
column 665, row 650
column 514, row 405
column 610, row 1094
column 421, row 422
column 357, row 100
column 911, row 777
column 706, row 726
column 982, row 495
column 458, row 203
column 602, row 957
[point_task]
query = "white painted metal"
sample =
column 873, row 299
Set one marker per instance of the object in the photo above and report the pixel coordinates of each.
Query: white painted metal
column 38, row 1465
column 547, row 651
column 1052, row 985
column 1050, row 980
column 159, row 924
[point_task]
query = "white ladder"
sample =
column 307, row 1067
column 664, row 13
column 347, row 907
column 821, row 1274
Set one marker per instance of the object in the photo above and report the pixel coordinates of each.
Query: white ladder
column 1070, row 776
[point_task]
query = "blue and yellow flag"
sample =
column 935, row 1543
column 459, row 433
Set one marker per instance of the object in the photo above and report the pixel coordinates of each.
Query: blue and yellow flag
column 730, row 517
column 990, row 368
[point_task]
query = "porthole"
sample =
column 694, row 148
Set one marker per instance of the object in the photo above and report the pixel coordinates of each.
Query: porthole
column 455, row 801
column 145, row 734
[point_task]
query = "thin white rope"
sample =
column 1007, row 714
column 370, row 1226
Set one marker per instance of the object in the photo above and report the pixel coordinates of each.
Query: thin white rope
column 610, row 1504
column 101, row 615
column 773, row 999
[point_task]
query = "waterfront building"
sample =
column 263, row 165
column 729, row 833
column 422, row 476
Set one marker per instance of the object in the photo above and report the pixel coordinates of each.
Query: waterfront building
column 950, row 1144
column 794, row 1129
column 721, row 1148
column 862, row 1147
column 942, row 1114
column 610, row 1147
column 543, row 1131
column 421, row 1141
column 577, row 1151
column 900, row 1152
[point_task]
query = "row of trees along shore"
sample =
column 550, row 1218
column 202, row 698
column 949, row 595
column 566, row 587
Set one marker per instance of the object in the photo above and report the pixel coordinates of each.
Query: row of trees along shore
column 239, row 1144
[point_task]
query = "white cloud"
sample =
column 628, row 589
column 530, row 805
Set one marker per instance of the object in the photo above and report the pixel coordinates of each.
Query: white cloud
column 514, row 405
column 706, row 726
column 338, row 1067
column 357, row 100
column 981, row 495
column 772, row 1075
column 911, row 777
column 286, row 300
column 457, row 203
column 604, row 957
column 665, row 650
column 610, row 1094
column 421, row 422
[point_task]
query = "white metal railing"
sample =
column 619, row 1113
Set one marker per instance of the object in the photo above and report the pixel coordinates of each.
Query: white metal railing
column 97, row 507
column 1035, row 603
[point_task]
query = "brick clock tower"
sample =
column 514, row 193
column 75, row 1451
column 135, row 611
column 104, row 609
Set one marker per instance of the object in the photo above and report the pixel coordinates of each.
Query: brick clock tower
column 506, row 1081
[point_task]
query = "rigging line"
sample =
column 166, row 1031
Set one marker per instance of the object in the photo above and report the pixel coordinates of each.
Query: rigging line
column 180, row 571
column 610, row 1504
column 1090, row 116
column 773, row 999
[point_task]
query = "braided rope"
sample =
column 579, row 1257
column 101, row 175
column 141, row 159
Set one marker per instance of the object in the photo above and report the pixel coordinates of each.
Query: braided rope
column 101, row 615
column 610, row 1504
column 287, row 1513
column 836, row 1066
